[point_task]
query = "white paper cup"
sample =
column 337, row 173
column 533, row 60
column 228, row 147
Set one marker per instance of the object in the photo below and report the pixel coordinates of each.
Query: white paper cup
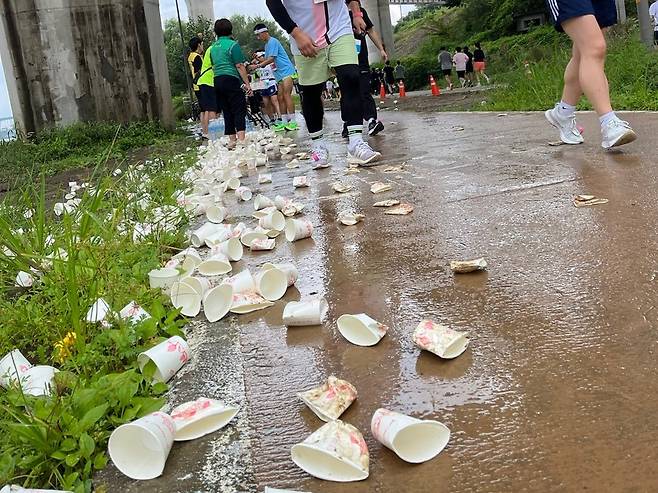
column 238, row 230
column 140, row 449
column 441, row 340
column 335, row 452
column 219, row 236
column 264, row 178
column 38, row 380
column 217, row 302
column 290, row 269
column 133, row 312
column 300, row 182
column 163, row 278
column 330, row 400
column 231, row 184
column 249, row 302
column 231, row 248
column 259, row 245
column 13, row 367
column 361, row 330
column 298, row 229
column 190, row 259
column 260, row 214
column 468, row 266
column 272, row 284
column 262, row 202
column 215, row 265
column 216, row 214
column 243, row 193
column 169, row 356
column 413, row 440
column 242, row 283
column 26, row 280
column 249, row 235
column 198, row 237
column 98, row 312
column 280, row 202
column 186, row 298
column 274, row 221
column 200, row 418
column 200, row 284
column 304, row 313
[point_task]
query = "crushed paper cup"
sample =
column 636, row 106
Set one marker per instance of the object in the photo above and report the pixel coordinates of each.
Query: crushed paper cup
column 300, row 182
column 260, row 214
column 443, row 341
column 320, row 166
column 133, row 312
column 274, row 220
column 264, row 178
column 217, row 302
column 13, row 367
column 273, row 233
column 185, row 298
column 386, row 203
column 200, row 284
column 413, row 440
column 262, row 202
column 140, row 449
column 305, row 313
column 292, row 209
column 249, row 235
column 216, row 214
column 198, row 237
column 330, row 400
column 231, row 184
column 238, row 230
column 216, row 265
column 190, row 259
column 400, row 210
column 349, row 218
column 380, row 187
column 467, row 266
column 38, row 380
column 290, row 270
column 242, row 283
column 98, row 312
column 243, row 193
column 163, row 278
column 361, row 330
column 260, row 245
column 232, row 248
column 292, row 164
column 588, row 200
column 335, row 452
column 298, row 229
column 200, row 418
column 219, row 236
column 280, row 202
column 341, row 187
column 271, row 284
column 168, row 357
column 26, row 280
column 249, row 302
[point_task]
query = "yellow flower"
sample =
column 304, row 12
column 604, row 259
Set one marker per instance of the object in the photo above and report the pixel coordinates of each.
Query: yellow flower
column 64, row 346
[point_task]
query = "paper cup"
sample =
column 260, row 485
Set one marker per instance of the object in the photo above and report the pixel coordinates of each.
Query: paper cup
column 249, row 235
column 98, row 312
column 441, row 340
column 300, row 182
column 259, row 245
column 217, row 302
column 298, row 229
column 262, row 202
column 271, row 284
column 260, row 214
column 26, row 280
column 231, row 248
column 140, row 449
column 219, row 236
column 238, row 230
column 133, row 312
column 216, row 214
column 215, row 265
column 280, row 202
column 291, row 271
column 200, row 418
column 468, row 266
column 190, row 259
column 169, row 356
column 163, row 278
column 413, row 440
column 13, row 367
column 350, row 219
column 330, row 400
column 335, row 452
column 361, row 330
column 231, row 184
column 38, row 380
column 243, row 193
column 264, row 178
column 249, row 302
column 242, row 282
column 200, row 284
column 274, row 221
column 304, row 313
column 186, row 298
column 198, row 237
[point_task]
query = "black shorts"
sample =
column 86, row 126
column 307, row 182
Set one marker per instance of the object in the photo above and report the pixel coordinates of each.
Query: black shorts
column 605, row 11
column 469, row 68
column 207, row 98
column 655, row 35
column 447, row 71
column 461, row 74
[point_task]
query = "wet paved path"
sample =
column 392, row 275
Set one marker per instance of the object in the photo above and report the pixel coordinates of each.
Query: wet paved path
column 557, row 391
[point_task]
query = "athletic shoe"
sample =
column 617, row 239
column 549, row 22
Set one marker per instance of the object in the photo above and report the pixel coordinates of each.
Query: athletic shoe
column 616, row 133
column 361, row 154
column 319, row 156
column 279, row 126
column 345, row 133
column 292, row 126
column 374, row 127
column 569, row 133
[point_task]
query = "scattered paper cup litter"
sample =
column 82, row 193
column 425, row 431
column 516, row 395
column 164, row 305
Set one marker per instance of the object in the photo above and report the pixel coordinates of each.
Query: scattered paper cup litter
column 468, row 266
column 163, row 278
column 413, row 440
column 386, row 203
column 331, row 399
column 243, row 193
column 231, row 248
column 198, row 237
column 400, row 210
column 200, row 284
column 298, row 229
column 242, row 283
column 216, row 214
column 300, row 182
column 140, row 449
column 275, row 220
column 13, row 367
column 216, row 265
column 249, row 302
column 441, row 340
column 231, row 184
column 264, row 178
column 168, row 357
column 588, row 201
column 271, row 284
column 350, row 219
column 260, row 214
column 379, row 187
column 133, row 312
column 292, row 209
column 361, row 330
column 290, row 269
column 217, row 302
column 200, row 418
column 219, row 236
column 189, row 259
column 185, row 298
column 26, row 280
column 39, row 380
column 339, row 187
column 260, row 245
column 249, row 235
column 98, row 312
column 305, row 313
column 262, row 202
column 335, row 452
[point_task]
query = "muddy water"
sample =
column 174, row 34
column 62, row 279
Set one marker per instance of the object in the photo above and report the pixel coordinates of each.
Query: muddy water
column 557, row 390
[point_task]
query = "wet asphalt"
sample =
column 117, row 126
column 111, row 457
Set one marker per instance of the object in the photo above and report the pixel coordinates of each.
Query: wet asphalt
column 557, row 390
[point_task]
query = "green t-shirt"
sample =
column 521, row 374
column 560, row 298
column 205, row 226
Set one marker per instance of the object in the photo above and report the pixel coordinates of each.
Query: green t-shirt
column 225, row 54
column 207, row 75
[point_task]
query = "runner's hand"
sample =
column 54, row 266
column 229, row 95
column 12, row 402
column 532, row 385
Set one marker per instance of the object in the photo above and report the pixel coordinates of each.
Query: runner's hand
column 305, row 44
column 384, row 55
column 359, row 24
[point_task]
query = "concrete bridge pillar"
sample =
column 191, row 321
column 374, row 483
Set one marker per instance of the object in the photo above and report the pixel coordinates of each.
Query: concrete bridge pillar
column 380, row 14
column 200, row 8
column 67, row 61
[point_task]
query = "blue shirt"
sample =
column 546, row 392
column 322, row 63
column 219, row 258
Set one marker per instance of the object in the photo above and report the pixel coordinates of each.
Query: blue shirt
column 284, row 67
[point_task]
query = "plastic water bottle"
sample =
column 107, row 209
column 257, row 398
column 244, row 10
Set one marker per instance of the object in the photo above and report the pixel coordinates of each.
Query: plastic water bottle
column 216, row 128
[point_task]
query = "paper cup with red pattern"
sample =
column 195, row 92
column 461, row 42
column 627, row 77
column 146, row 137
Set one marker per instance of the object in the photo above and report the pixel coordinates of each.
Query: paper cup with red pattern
column 198, row 236
column 361, row 329
column 242, row 283
column 216, row 265
column 243, row 193
column 331, row 399
column 13, row 367
column 249, row 302
column 221, row 234
column 271, row 284
column 168, row 357
column 140, row 449
column 298, row 229
column 262, row 202
column 200, row 418
column 305, row 313
column 248, row 236
column 39, row 380
column 232, row 248
column 190, row 259
column 133, row 312
column 275, row 220
column 163, row 278
column 292, row 274
column 335, row 452
column 413, row 440
column 443, row 341
column 262, row 245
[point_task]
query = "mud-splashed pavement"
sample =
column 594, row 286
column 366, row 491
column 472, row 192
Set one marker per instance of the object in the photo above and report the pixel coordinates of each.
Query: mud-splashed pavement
column 557, row 390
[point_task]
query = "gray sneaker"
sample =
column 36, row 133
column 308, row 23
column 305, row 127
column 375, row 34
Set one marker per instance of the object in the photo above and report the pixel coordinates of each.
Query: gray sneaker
column 569, row 133
column 617, row 133
column 361, row 154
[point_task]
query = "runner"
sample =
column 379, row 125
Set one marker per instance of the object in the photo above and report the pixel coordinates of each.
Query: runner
column 284, row 70
column 460, row 60
column 445, row 61
column 322, row 39
column 653, row 12
column 207, row 97
column 400, row 72
column 267, row 88
column 479, row 63
column 469, row 67
column 389, row 78
column 583, row 21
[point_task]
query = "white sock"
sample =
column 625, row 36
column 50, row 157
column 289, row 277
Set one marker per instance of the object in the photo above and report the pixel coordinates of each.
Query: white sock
column 317, row 139
column 285, row 118
column 355, row 134
column 565, row 110
column 291, row 117
column 607, row 118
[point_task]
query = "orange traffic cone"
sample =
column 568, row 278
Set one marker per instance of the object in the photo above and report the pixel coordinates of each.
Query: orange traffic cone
column 403, row 91
column 435, row 89
column 382, row 92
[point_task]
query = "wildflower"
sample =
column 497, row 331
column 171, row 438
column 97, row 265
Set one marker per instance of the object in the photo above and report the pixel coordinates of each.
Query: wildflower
column 64, row 346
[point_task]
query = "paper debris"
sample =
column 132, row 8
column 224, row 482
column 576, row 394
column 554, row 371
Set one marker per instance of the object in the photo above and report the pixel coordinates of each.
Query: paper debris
column 588, row 200
column 350, row 219
column 379, row 187
column 339, row 187
column 400, row 210
column 386, row 203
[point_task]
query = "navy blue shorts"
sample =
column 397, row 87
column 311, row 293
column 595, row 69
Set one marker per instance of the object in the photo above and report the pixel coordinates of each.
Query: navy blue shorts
column 207, row 99
column 605, row 11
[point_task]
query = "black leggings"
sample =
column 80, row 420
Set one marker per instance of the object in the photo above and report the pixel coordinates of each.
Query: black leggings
column 233, row 102
column 350, row 87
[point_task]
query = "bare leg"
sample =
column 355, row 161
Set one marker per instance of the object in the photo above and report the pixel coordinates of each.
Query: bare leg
column 285, row 96
column 205, row 120
column 572, row 92
column 241, row 135
column 275, row 105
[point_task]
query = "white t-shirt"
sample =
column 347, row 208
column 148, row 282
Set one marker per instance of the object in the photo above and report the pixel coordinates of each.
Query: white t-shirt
column 266, row 75
column 460, row 59
column 323, row 21
column 653, row 12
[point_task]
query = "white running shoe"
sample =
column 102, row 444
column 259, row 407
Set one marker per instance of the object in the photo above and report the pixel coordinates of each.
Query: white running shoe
column 569, row 133
column 319, row 156
column 361, row 154
column 617, row 133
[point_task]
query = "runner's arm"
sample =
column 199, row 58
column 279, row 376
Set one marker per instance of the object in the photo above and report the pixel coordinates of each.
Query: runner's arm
column 357, row 16
column 377, row 39
column 304, row 42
